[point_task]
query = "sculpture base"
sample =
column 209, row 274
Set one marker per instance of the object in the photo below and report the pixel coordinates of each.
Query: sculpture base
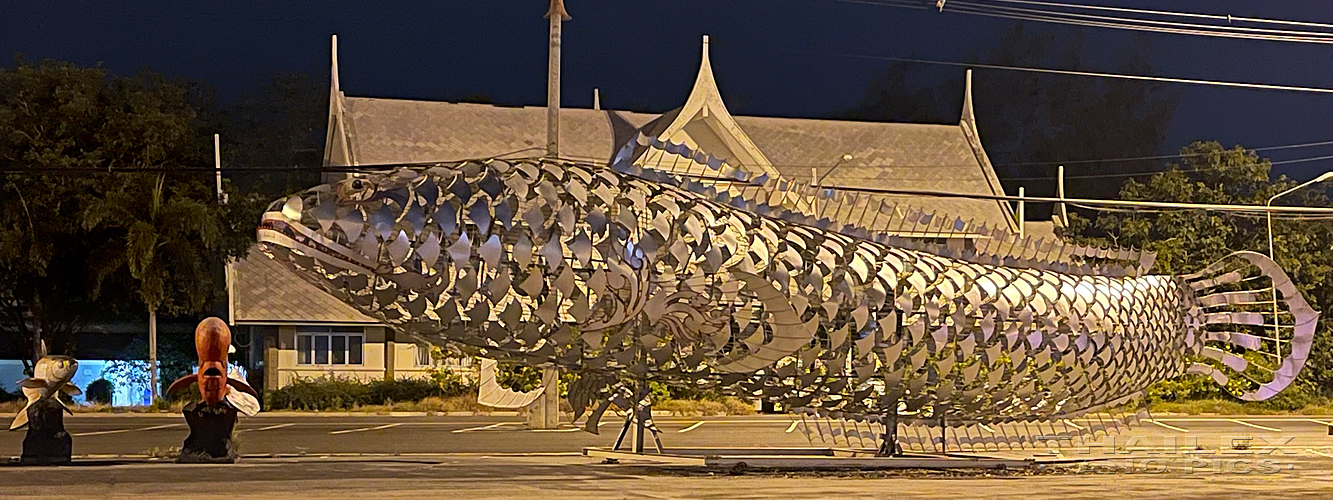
column 46, row 443
column 210, row 439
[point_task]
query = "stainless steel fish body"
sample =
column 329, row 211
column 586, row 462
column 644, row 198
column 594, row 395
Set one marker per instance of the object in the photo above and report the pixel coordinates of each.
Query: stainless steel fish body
column 604, row 272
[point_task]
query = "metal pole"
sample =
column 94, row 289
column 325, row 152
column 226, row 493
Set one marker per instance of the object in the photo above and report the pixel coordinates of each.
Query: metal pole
column 639, row 423
column 217, row 166
column 152, row 353
column 556, row 14
column 1060, row 192
column 1022, row 210
column 1277, row 334
column 944, row 437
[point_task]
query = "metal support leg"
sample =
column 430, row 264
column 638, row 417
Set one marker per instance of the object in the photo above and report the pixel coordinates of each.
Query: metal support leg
column 889, row 446
column 944, row 437
column 640, row 417
column 624, row 430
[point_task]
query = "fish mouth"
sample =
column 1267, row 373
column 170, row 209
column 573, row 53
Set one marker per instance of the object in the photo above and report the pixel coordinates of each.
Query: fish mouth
column 277, row 229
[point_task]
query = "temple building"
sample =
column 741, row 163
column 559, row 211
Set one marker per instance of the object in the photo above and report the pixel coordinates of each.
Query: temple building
column 308, row 332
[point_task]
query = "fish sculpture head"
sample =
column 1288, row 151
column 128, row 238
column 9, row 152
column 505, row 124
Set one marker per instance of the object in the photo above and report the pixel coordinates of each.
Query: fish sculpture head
column 417, row 247
column 55, row 369
column 50, row 377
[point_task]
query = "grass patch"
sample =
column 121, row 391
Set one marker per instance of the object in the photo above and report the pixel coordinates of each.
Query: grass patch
column 705, row 407
column 1231, row 407
column 433, row 404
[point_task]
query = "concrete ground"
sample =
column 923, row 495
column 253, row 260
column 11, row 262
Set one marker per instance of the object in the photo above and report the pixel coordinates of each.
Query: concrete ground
column 487, row 457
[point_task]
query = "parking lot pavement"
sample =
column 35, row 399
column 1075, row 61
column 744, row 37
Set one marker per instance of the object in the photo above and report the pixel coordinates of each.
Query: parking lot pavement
column 295, row 434
column 569, row 477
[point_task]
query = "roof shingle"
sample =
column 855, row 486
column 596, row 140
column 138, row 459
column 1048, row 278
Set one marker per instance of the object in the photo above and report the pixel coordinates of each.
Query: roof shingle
column 265, row 292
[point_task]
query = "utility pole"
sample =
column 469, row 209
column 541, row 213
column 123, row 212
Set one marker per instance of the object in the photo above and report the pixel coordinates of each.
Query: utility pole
column 545, row 411
column 556, row 14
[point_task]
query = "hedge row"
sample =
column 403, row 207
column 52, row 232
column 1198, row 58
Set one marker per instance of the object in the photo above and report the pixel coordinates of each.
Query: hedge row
column 341, row 393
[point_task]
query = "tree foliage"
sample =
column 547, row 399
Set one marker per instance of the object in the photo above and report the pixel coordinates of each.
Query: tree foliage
column 1188, row 240
column 74, row 237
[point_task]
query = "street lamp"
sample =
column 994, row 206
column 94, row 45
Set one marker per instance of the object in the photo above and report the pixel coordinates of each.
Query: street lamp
column 1277, row 335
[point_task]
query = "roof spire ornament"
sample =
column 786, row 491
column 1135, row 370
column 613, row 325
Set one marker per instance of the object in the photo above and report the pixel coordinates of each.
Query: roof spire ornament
column 557, row 7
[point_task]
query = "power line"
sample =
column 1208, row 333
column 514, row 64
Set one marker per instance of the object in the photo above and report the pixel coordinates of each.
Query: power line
column 1163, row 79
column 1256, row 209
column 1224, row 28
column 1158, row 157
column 1221, row 17
column 1112, row 22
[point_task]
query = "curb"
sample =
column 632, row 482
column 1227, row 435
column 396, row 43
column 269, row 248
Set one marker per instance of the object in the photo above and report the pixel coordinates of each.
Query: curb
column 317, row 414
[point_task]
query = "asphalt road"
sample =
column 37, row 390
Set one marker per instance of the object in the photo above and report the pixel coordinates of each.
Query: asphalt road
column 324, row 457
column 567, row 477
column 101, row 435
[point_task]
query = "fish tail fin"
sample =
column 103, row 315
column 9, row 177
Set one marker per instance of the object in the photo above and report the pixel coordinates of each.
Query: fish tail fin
column 1254, row 324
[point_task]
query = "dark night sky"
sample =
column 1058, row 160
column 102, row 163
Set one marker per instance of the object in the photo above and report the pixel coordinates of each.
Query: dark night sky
column 645, row 54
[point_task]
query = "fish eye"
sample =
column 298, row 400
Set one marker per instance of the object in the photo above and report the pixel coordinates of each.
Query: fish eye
column 356, row 189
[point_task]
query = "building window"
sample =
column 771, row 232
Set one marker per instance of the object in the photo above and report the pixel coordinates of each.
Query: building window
column 330, row 346
column 423, row 355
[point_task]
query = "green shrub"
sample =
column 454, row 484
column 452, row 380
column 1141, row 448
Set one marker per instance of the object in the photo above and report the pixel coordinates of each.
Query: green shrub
column 99, row 391
column 341, row 393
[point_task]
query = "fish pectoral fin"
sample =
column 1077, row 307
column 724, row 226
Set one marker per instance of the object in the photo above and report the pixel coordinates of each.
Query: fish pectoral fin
column 33, row 383
column 21, row 419
column 71, row 389
column 242, row 386
column 182, row 383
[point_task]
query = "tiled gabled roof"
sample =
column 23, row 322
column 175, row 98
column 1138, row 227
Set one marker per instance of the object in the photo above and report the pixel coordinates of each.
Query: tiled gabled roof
column 884, row 155
column 265, row 292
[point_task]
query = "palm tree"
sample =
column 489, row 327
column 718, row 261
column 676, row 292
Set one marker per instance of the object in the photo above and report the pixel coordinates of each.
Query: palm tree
column 162, row 237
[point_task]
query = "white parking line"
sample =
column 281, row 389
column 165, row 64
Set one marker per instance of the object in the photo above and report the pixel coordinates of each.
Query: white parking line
column 1320, row 453
column 482, row 428
column 385, row 426
column 987, row 427
column 692, row 427
column 269, row 428
column 1168, row 426
column 1256, row 426
column 571, row 429
column 1323, row 422
column 1074, row 425
column 792, row 427
column 118, row 431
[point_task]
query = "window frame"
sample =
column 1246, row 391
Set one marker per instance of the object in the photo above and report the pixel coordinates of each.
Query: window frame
column 422, row 351
column 327, row 334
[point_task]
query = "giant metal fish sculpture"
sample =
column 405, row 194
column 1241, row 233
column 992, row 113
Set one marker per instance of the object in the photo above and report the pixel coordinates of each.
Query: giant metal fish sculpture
column 612, row 270
column 50, row 377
